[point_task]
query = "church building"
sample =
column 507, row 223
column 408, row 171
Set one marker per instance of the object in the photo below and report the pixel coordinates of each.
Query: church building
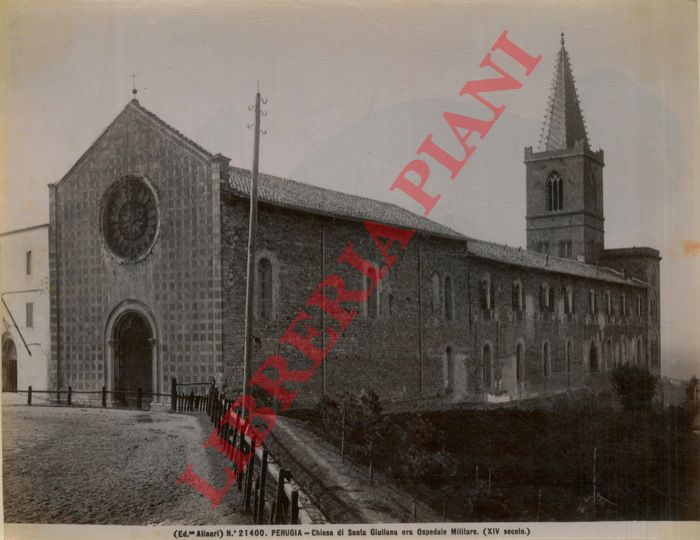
column 147, row 250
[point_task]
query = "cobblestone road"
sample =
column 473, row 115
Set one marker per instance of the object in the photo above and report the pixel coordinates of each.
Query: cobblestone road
column 107, row 466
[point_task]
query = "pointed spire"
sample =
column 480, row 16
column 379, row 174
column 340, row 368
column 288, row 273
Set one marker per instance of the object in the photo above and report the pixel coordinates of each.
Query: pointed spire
column 563, row 123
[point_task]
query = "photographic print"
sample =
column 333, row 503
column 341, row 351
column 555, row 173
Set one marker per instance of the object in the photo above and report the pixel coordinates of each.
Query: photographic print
column 419, row 268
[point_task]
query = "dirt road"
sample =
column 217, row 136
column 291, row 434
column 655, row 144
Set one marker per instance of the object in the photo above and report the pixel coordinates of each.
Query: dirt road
column 107, row 466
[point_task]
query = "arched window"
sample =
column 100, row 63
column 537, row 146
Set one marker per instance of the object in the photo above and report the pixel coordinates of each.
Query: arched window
column 486, row 366
column 546, row 297
column 623, row 305
column 519, row 363
column 486, row 293
column 265, row 300
column 593, row 358
column 608, row 354
column 517, row 296
column 555, row 193
column 592, row 304
column 436, row 292
column 569, row 301
column 449, row 299
column 623, row 350
column 546, row 361
column 449, row 371
column 608, row 303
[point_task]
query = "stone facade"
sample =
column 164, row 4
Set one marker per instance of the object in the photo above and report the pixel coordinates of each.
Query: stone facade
column 176, row 287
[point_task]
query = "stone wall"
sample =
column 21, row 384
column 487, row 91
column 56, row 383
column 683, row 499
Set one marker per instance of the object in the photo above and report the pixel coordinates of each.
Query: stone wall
column 176, row 284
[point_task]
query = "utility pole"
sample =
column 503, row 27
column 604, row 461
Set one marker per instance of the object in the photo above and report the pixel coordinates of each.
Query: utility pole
column 252, row 230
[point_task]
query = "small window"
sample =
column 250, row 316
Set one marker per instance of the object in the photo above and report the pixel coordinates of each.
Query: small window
column 29, row 263
column 486, row 366
column 592, row 304
column 486, row 294
column 546, row 365
column 608, row 354
column 593, row 358
column 519, row 363
column 623, row 350
column 623, row 305
column 608, row 303
column 546, row 297
column 436, row 292
column 30, row 314
column 517, row 296
column 449, row 299
column 569, row 301
column 639, row 306
column 565, row 248
column 568, row 358
column 543, row 247
column 449, row 371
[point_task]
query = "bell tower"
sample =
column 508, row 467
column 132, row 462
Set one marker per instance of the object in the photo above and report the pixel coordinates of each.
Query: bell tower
column 565, row 177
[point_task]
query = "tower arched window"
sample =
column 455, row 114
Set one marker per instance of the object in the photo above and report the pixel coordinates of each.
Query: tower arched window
column 555, row 193
column 265, row 300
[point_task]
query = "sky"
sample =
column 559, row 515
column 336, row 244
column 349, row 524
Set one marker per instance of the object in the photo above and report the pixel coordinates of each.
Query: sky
column 354, row 87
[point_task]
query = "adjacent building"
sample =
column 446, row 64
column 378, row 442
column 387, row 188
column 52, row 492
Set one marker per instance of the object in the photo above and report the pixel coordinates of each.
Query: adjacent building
column 24, row 288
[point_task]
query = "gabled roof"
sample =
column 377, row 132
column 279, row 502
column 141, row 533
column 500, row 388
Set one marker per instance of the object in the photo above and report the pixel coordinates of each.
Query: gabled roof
column 135, row 108
column 563, row 124
column 318, row 200
column 532, row 259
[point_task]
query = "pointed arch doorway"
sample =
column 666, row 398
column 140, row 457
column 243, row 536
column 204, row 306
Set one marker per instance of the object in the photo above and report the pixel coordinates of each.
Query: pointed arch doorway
column 132, row 355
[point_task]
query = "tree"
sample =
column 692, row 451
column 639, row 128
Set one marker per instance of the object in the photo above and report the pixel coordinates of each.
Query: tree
column 691, row 395
column 634, row 385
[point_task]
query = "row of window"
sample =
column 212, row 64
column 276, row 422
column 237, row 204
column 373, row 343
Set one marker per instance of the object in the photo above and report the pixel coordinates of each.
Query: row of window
column 443, row 297
column 594, row 361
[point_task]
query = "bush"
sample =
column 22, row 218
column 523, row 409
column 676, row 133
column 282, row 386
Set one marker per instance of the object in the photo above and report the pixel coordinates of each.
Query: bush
column 634, row 385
